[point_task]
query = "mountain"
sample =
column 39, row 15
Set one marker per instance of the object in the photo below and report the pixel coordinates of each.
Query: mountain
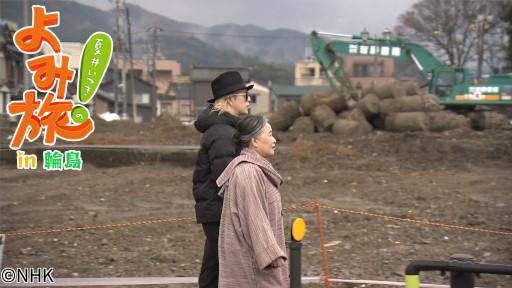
column 270, row 54
column 280, row 46
column 77, row 21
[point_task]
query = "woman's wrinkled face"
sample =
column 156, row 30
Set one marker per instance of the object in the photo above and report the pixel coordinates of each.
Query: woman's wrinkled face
column 265, row 143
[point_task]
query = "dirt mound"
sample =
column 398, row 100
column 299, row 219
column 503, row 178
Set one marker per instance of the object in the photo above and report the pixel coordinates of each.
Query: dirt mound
column 165, row 130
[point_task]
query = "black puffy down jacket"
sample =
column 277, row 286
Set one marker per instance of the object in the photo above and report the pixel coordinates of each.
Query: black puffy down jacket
column 216, row 150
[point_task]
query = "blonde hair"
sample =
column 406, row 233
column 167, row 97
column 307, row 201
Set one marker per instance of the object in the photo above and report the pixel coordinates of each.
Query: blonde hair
column 220, row 105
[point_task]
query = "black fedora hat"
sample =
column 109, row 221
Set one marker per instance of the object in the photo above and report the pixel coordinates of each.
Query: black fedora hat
column 226, row 83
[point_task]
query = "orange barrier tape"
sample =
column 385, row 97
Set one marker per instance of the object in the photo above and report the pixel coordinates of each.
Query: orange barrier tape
column 72, row 229
column 144, row 222
column 424, row 222
column 298, row 207
column 309, row 205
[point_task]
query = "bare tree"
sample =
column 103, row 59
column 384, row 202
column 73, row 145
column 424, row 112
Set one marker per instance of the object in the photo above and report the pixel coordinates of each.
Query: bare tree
column 456, row 30
column 506, row 17
column 495, row 48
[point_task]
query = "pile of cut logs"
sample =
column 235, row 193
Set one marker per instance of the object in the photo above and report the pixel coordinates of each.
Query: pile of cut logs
column 396, row 106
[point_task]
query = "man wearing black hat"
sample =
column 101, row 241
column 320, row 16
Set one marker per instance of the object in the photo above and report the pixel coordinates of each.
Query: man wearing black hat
column 218, row 125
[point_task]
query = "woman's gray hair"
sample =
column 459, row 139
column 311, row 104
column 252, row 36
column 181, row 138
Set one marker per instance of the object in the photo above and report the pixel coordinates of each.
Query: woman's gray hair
column 248, row 128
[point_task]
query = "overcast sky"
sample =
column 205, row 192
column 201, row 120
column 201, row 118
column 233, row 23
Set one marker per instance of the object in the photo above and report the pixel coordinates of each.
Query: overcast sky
column 341, row 16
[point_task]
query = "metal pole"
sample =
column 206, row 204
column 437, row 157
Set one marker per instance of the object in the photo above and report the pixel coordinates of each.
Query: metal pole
column 461, row 267
column 295, row 264
column 2, row 243
column 298, row 229
column 462, row 279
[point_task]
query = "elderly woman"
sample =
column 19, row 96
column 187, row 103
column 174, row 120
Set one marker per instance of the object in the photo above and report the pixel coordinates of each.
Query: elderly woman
column 252, row 250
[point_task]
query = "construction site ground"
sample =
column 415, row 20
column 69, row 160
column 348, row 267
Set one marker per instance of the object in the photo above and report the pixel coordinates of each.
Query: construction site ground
column 459, row 177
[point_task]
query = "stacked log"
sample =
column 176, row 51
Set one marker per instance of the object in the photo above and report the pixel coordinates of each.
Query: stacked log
column 446, row 120
column 303, row 124
column 393, row 89
column 323, row 117
column 350, row 128
column 407, row 122
column 356, row 115
column 369, row 105
column 390, row 90
column 481, row 120
column 356, row 96
column 332, row 99
column 411, row 88
column 418, row 103
column 393, row 106
column 282, row 119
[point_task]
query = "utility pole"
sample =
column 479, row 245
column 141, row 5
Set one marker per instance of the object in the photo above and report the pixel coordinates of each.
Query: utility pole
column 132, row 87
column 124, row 115
column 154, row 45
column 122, row 48
column 116, row 62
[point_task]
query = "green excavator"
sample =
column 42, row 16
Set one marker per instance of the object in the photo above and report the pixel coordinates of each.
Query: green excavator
column 452, row 85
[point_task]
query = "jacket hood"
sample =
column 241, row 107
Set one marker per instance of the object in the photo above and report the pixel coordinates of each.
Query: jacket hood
column 251, row 156
column 208, row 118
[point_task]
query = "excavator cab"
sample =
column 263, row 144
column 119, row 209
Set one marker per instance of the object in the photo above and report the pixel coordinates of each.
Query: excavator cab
column 448, row 81
column 444, row 82
column 460, row 76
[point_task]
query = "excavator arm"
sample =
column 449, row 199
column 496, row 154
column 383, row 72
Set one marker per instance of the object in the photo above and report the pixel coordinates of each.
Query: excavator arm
column 330, row 54
column 331, row 62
